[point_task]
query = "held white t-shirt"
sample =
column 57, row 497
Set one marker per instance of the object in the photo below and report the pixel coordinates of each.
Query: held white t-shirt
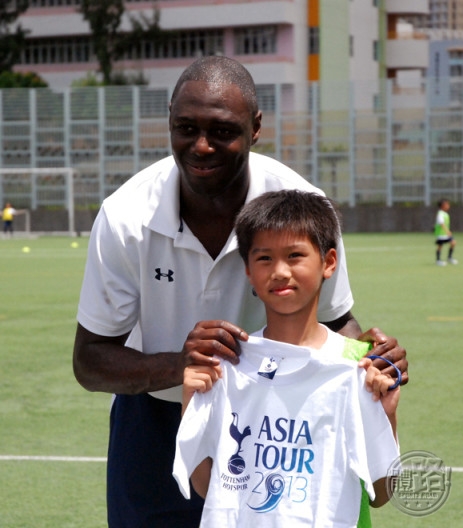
column 287, row 451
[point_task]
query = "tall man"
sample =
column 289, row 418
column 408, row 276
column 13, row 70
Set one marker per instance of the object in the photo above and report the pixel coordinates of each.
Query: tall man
column 163, row 256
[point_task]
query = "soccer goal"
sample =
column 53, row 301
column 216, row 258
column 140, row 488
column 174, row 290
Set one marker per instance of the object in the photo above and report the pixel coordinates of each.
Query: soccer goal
column 44, row 193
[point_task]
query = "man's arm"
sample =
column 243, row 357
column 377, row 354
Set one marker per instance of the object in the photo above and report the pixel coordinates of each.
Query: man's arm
column 383, row 345
column 345, row 325
column 105, row 364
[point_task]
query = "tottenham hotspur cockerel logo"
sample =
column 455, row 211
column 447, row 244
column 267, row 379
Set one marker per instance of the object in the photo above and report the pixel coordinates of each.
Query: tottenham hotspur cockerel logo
column 236, row 464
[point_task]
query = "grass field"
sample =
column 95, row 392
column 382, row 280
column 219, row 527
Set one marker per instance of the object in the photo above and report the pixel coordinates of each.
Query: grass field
column 45, row 413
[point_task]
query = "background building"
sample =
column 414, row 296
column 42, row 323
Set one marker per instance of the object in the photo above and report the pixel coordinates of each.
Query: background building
column 292, row 41
column 269, row 37
column 443, row 14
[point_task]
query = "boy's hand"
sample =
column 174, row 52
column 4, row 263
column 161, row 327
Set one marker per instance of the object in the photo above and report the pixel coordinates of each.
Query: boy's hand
column 378, row 384
column 389, row 348
column 199, row 378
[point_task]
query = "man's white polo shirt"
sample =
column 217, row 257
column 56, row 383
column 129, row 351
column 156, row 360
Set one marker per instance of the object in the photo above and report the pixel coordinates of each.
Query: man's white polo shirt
column 146, row 273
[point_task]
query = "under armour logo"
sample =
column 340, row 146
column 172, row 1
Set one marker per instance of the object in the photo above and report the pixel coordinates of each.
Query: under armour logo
column 169, row 275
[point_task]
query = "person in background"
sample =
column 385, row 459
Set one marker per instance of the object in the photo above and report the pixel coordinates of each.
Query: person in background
column 443, row 234
column 8, row 215
column 162, row 256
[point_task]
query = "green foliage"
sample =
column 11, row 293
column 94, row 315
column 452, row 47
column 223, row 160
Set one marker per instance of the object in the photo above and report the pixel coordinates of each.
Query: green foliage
column 89, row 80
column 11, row 43
column 104, row 18
column 9, row 79
column 120, row 78
column 110, row 43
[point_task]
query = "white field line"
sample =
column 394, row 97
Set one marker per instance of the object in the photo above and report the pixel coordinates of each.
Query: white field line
column 52, row 458
column 91, row 459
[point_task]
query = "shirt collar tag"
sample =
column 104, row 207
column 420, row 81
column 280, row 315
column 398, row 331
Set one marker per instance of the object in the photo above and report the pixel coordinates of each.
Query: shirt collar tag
column 269, row 367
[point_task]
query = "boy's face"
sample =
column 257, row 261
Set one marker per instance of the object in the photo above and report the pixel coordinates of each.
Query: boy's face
column 287, row 271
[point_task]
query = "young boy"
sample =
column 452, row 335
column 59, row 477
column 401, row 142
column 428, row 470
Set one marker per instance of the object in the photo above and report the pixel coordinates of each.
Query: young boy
column 290, row 435
column 443, row 233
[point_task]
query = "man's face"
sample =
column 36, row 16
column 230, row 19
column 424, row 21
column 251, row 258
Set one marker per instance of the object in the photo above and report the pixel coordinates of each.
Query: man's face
column 212, row 130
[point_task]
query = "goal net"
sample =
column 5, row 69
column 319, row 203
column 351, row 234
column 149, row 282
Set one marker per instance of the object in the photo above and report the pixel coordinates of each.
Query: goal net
column 42, row 197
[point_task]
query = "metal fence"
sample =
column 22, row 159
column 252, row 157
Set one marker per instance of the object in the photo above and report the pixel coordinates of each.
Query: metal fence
column 361, row 142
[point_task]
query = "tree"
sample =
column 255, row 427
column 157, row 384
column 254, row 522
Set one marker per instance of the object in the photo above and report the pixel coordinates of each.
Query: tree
column 11, row 43
column 10, row 79
column 109, row 42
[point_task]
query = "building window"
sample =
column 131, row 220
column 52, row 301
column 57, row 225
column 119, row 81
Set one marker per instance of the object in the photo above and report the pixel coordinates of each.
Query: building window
column 54, row 50
column 456, row 70
column 266, row 97
column 456, row 54
column 53, row 3
column 184, row 44
column 256, row 40
column 314, row 40
column 351, row 45
column 375, row 50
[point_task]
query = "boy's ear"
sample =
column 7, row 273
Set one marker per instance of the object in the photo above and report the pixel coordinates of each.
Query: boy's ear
column 330, row 262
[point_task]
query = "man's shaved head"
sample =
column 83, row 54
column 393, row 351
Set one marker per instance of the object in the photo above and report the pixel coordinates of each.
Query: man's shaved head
column 220, row 70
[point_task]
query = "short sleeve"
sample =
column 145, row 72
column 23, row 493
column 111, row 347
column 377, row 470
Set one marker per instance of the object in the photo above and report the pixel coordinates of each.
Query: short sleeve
column 380, row 446
column 110, row 293
column 191, row 444
column 336, row 297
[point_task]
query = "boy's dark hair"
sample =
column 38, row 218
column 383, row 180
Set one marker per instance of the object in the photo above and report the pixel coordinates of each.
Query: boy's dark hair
column 221, row 70
column 442, row 201
column 301, row 213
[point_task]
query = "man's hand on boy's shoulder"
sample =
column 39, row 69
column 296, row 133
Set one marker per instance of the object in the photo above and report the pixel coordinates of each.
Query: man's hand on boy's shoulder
column 389, row 348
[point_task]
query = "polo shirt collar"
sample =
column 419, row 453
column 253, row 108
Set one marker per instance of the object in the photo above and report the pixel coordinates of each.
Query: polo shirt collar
column 163, row 212
column 163, row 215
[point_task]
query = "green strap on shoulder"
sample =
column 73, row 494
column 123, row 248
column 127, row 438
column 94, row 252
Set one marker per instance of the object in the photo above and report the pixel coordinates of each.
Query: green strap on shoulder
column 355, row 350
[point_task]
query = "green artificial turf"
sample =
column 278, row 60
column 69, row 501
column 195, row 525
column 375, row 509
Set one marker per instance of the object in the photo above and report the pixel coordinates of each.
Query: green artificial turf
column 44, row 412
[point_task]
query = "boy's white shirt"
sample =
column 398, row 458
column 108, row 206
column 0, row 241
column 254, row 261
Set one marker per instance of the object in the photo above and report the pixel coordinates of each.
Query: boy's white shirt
column 314, row 432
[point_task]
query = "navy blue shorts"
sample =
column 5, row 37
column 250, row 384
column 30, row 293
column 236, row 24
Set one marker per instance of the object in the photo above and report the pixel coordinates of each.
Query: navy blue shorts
column 141, row 491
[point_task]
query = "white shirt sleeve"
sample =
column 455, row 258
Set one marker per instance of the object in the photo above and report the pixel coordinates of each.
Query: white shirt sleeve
column 381, row 448
column 109, row 298
column 191, row 444
column 336, row 296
